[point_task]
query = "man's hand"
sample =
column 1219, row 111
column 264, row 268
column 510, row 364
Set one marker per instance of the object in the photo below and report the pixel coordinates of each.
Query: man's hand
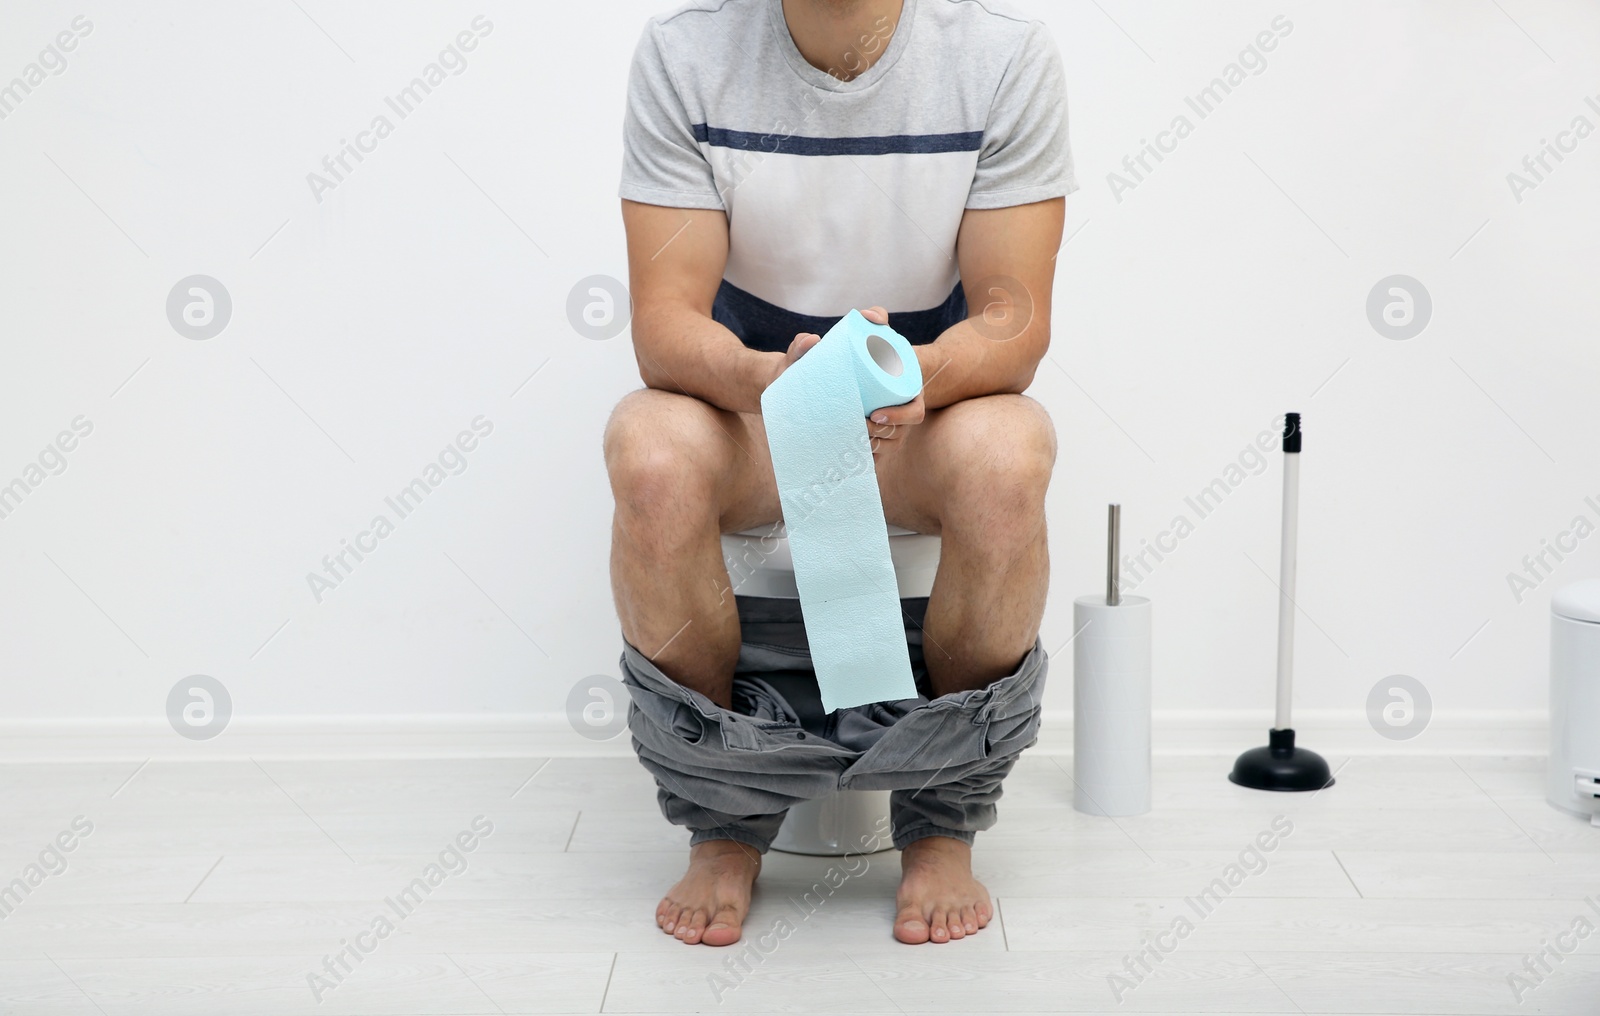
column 884, row 424
column 797, row 349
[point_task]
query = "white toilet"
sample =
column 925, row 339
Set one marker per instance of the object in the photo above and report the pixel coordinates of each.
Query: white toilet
column 759, row 564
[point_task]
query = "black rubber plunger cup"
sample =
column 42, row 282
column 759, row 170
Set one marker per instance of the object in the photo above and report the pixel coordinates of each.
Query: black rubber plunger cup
column 1281, row 765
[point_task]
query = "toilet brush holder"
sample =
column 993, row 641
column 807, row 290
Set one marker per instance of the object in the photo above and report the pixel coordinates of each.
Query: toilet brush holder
column 1111, row 696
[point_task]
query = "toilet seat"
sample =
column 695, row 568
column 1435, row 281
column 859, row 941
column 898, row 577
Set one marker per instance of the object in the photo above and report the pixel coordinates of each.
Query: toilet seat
column 759, row 563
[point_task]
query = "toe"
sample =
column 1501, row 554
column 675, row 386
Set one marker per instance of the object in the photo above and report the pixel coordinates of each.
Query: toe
column 941, row 926
column 724, row 928
column 690, row 925
column 969, row 919
column 954, row 925
column 910, row 926
column 668, row 918
column 697, row 927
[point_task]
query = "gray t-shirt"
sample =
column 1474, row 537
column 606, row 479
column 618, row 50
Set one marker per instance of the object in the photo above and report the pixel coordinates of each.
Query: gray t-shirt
column 844, row 194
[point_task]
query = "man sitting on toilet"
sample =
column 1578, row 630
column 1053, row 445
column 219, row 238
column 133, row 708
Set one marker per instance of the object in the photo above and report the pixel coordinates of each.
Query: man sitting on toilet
column 784, row 162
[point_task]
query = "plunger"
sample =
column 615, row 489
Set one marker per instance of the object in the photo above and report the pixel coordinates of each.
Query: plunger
column 1281, row 765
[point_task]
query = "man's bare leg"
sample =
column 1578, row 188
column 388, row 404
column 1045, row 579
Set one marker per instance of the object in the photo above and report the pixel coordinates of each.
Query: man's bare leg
column 975, row 473
column 682, row 473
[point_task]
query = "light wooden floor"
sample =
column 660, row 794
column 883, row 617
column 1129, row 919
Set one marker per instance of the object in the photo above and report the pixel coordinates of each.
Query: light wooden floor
column 1413, row 886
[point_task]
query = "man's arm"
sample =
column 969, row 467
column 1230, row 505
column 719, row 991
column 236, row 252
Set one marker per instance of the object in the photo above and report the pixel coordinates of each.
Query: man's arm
column 998, row 250
column 676, row 257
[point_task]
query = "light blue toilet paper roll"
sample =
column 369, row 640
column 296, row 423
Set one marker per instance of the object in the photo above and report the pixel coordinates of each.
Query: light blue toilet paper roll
column 816, row 419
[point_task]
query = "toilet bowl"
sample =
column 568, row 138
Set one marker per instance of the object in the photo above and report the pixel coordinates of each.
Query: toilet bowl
column 759, row 564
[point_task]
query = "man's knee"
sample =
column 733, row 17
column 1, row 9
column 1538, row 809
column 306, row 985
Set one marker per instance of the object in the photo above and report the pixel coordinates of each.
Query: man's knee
column 661, row 454
column 1002, row 450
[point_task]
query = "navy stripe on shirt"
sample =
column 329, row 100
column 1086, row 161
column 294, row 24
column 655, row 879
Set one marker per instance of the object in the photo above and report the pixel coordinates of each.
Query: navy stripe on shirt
column 769, row 328
column 790, row 144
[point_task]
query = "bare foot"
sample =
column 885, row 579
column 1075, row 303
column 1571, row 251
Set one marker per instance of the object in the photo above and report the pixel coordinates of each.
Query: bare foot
column 710, row 902
column 939, row 900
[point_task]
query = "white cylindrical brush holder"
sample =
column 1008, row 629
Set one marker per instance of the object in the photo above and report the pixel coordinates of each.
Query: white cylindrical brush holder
column 1111, row 706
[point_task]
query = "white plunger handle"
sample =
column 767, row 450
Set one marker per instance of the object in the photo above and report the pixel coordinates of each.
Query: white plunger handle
column 1286, row 566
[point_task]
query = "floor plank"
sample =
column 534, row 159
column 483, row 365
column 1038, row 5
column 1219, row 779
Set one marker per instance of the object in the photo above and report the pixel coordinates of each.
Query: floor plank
column 1464, row 875
column 1293, row 925
column 441, row 984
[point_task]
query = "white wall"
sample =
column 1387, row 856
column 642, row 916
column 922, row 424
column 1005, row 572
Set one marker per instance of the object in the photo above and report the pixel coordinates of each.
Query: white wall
column 418, row 294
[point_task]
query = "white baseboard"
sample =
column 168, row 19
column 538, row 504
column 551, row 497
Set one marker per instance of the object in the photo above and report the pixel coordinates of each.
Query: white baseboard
column 536, row 735
column 1328, row 732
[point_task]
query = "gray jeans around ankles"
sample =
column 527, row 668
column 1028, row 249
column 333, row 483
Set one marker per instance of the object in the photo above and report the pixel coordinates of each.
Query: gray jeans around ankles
column 733, row 774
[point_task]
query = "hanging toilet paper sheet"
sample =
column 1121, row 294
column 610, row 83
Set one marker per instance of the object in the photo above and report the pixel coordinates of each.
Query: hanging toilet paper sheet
column 816, row 420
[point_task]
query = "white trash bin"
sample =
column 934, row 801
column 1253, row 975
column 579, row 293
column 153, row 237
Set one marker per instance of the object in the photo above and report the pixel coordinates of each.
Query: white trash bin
column 1574, row 774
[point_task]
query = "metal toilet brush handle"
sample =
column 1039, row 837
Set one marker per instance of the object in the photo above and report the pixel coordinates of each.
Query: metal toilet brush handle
column 1113, row 545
